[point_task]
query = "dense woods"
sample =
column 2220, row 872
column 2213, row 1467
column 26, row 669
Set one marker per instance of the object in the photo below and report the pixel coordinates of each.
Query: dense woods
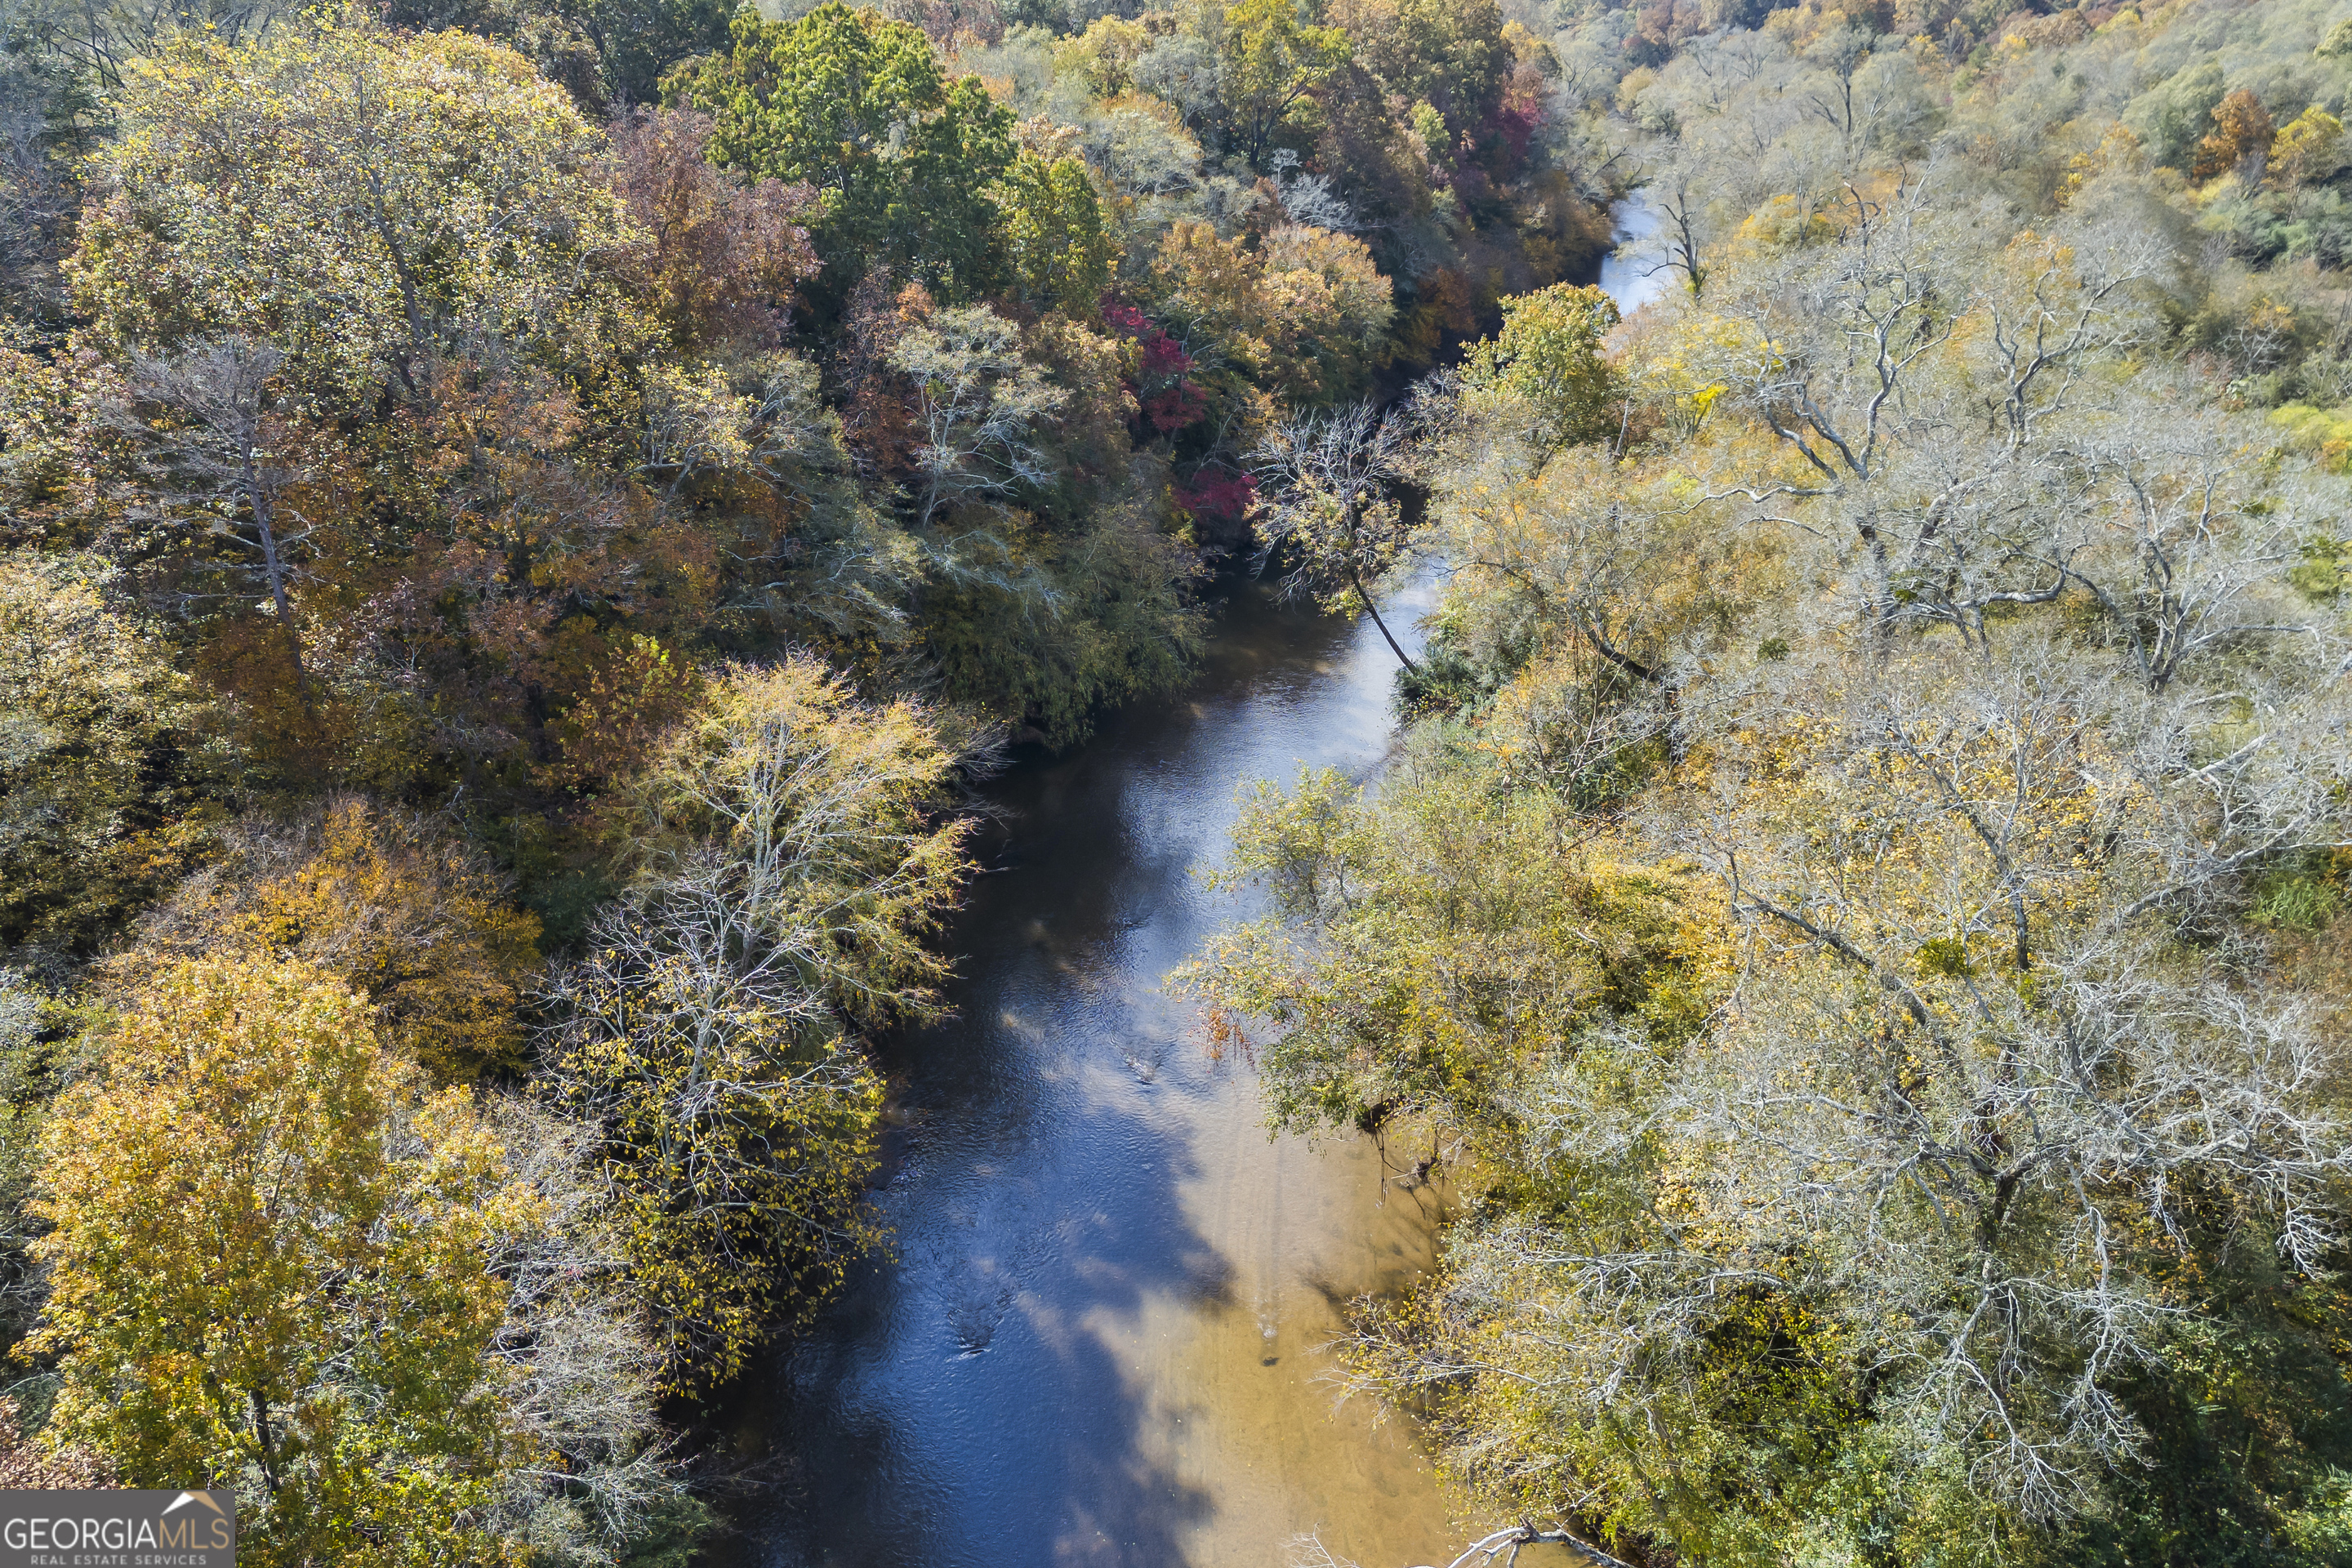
column 1857, row 908
column 521, row 526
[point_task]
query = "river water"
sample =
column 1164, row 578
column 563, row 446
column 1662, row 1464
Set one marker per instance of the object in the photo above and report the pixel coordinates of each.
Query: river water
column 1097, row 1339
column 1634, row 273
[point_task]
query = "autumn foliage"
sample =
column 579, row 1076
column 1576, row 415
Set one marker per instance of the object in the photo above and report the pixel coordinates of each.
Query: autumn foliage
column 269, row 1257
column 522, row 525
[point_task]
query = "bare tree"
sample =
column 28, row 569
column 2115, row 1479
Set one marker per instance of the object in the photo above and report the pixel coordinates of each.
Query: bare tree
column 980, row 402
column 579, row 1364
column 1329, row 513
column 215, row 465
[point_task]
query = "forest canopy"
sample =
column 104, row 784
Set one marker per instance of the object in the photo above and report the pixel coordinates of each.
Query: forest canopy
column 1855, row 910
column 523, row 523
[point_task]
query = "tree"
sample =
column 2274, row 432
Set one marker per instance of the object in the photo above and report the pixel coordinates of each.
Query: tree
column 638, row 41
column 1329, row 514
column 211, row 442
column 858, row 107
column 979, row 403
column 391, row 904
column 1452, row 57
column 1415, row 963
column 581, row 1371
column 356, row 201
column 1210, row 294
column 1597, row 557
column 2242, row 130
column 1548, row 360
column 789, row 870
column 818, row 822
column 103, row 794
column 1058, row 252
column 736, row 1131
column 1330, row 310
column 724, row 252
column 1676, row 196
column 268, row 1268
column 2307, row 149
column 1270, row 59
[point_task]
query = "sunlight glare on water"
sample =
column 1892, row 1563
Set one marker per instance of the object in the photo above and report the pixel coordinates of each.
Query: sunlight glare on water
column 1634, row 273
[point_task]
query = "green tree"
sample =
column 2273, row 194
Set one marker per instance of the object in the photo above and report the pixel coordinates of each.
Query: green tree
column 858, row 106
column 1548, row 360
column 1448, row 54
column 268, row 1269
column 1056, row 247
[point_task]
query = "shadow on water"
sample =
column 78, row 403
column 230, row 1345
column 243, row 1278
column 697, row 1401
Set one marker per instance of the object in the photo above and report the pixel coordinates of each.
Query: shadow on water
column 1097, row 1339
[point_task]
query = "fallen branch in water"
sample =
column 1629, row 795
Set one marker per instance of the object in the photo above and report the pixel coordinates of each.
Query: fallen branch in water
column 1525, row 1534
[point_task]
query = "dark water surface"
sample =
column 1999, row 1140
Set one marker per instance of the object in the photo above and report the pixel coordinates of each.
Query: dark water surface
column 1097, row 1340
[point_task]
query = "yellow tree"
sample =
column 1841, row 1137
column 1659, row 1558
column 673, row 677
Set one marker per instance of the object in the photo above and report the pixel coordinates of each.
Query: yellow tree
column 387, row 904
column 100, row 806
column 268, row 1269
column 363, row 289
column 359, row 201
column 1549, row 358
column 1332, row 309
column 1273, row 60
column 2306, row 149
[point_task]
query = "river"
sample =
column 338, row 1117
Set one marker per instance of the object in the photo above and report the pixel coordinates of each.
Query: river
column 1097, row 1338
column 1633, row 273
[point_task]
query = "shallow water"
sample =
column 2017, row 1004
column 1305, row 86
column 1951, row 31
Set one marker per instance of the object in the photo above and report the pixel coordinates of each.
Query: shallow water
column 1098, row 1342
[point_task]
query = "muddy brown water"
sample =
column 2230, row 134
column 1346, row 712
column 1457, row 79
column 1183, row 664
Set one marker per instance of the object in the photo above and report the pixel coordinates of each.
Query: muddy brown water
column 1099, row 1338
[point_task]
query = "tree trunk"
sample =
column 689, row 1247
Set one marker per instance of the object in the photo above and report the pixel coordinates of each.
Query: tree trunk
column 256, row 495
column 1373, row 610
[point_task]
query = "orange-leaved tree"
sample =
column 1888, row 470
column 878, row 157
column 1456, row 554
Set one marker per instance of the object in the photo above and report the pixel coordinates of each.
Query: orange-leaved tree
column 388, row 903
